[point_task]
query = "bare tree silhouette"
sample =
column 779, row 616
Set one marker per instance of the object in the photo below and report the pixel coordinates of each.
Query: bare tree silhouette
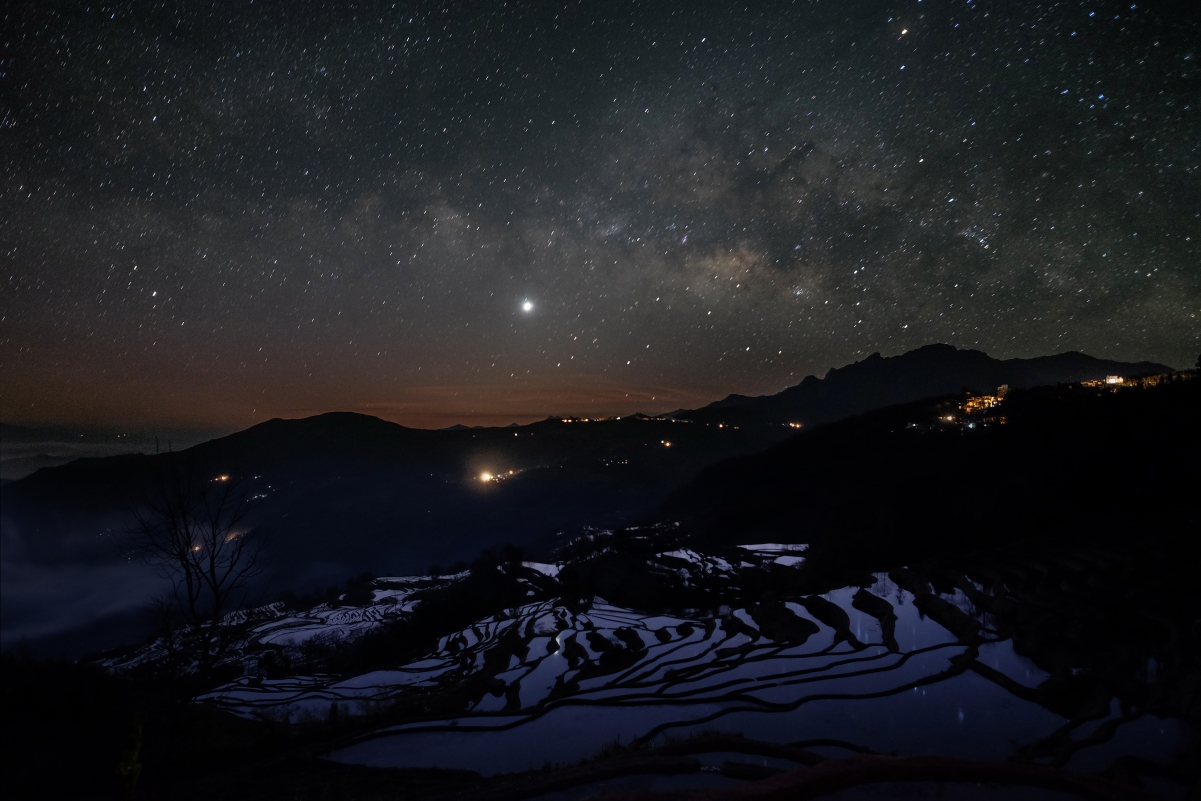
column 192, row 526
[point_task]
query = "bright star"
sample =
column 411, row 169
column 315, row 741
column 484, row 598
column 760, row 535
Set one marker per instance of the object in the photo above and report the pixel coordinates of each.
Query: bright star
column 527, row 306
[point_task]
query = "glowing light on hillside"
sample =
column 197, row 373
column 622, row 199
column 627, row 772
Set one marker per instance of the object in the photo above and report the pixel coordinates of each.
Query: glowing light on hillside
column 485, row 476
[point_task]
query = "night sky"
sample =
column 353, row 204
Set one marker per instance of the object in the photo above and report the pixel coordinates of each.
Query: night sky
column 213, row 214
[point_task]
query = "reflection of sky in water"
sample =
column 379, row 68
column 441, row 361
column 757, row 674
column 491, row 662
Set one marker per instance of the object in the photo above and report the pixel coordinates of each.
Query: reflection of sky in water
column 1148, row 737
column 563, row 735
column 966, row 716
column 691, row 677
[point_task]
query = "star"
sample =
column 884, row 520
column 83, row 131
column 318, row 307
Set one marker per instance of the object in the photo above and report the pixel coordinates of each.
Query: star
column 781, row 204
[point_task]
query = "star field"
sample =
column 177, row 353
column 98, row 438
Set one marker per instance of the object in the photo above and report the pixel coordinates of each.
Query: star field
column 214, row 214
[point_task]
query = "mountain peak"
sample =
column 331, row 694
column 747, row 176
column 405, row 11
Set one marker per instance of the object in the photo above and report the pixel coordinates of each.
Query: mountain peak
column 929, row 371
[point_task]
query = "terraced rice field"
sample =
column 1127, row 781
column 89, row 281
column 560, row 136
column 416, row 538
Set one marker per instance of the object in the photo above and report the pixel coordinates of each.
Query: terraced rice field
column 274, row 626
column 878, row 667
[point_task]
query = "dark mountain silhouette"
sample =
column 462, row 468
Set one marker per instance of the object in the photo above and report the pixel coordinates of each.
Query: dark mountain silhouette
column 1072, row 469
column 342, row 493
column 353, row 492
column 356, row 492
column 25, row 449
column 1086, row 465
column 927, row 372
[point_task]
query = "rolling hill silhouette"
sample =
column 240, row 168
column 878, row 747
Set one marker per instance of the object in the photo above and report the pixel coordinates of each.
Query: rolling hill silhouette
column 351, row 490
column 344, row 493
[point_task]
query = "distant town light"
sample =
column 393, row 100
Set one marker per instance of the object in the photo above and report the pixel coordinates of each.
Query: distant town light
column 980, row 403
column 485, row 476
column 1114, row 379
column 222, row 477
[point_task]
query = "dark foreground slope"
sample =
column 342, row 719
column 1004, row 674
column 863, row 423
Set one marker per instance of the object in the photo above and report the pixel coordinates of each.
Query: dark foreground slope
column 1055, row 463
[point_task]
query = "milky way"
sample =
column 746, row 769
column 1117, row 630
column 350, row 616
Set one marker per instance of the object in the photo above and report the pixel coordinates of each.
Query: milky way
column 211, row 216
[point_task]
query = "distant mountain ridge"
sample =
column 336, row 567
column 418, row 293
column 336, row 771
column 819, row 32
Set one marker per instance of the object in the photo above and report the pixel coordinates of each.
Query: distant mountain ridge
column 340, row 493
column 927, row 372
